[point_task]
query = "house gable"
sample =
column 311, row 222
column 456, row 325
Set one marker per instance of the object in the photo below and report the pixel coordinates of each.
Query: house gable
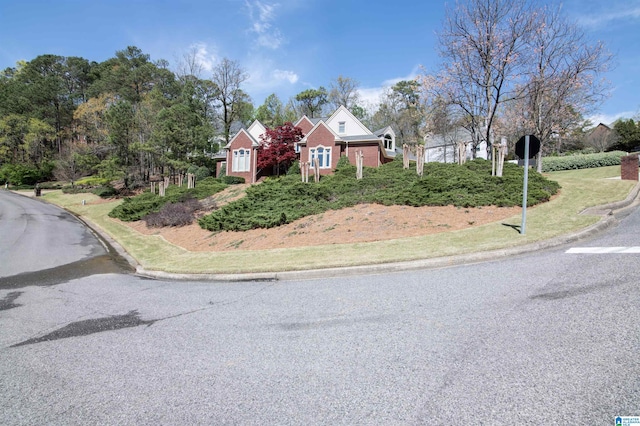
column 256, row 129
column 321, row 142
column 388, row 137
column 242, row 156
column 344, row 123
column 305, row 124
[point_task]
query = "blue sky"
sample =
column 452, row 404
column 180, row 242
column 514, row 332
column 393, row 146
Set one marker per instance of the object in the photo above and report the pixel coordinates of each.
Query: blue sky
column 287, row 46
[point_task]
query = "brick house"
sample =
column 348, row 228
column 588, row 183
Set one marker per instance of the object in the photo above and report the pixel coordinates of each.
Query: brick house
column 241, row 153
column 342, row 134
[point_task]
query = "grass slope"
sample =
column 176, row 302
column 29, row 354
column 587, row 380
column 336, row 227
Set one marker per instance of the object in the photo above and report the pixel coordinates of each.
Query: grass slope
column 580, row 189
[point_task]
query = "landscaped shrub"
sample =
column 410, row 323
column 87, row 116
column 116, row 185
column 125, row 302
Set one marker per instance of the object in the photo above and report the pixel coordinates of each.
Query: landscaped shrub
column 202, row 172
column 582, row 161
column 22, row 174
column 92, row 181
column 105, row 191
column 135, row 208
column 282, row 200
column 69, row 189
column 232, row 180
column 174, row 214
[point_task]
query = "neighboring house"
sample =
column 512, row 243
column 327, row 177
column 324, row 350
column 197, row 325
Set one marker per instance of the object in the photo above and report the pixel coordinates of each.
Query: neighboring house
column 600, row 137
column 326, row 140
column 444, row 148
column 241, row 153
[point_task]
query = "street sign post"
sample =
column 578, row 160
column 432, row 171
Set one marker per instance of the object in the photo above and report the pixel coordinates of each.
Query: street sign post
column 534, row 147
column 527, row 147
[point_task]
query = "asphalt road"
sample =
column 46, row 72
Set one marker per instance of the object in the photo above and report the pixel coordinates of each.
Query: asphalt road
column 46, row 243
column 544, row 338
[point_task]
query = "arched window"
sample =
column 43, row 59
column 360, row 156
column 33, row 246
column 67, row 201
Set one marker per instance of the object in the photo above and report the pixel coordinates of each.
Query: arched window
column 322, row 154
column 241, row 160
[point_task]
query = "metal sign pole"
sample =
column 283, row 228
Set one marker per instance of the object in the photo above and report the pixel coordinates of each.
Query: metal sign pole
column 525, row 185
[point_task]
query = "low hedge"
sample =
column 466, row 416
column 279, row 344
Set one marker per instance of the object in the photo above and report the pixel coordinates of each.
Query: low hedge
column 582, row 161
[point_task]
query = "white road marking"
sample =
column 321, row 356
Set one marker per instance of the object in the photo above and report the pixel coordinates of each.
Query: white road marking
column 602, row 250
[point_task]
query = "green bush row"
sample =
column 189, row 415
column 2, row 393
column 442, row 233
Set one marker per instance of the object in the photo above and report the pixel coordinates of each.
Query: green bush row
column 135, row 208
column 23, row 174
column 92, row 181
column 282, row 200
column 582, row 161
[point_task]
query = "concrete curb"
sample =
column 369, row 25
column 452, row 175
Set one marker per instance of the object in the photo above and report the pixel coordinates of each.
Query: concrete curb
column 611, row 214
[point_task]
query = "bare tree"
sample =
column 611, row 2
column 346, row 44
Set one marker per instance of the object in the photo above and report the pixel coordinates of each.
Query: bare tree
column 228, row 76
column 190, row 65
column 564, row 79
column 483, row 42
column 344, row 91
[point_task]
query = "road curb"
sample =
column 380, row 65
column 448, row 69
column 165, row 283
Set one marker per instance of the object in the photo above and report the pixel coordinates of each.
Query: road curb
column 611, row 214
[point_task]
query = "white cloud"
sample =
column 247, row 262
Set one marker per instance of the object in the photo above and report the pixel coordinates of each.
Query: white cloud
column 266, row 78
column 290, row 76
column 262, row 16
column 601, row 19
column 370, row 96
column 609, row 119
column 202, row 56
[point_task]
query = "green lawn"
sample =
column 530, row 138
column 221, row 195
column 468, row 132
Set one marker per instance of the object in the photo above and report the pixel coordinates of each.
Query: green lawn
column 580, row 189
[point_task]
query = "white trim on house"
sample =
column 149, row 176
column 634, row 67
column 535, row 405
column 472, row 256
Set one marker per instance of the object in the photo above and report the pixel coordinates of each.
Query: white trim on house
column 241, row 160
column 323, row 153
column 256, row 129
column 343, row 114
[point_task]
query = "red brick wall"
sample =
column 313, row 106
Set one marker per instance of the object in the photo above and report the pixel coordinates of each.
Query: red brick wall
column 219, row 165
column 242, row 140
column 629, row 167
column 325, row 137
column 371, row 154
column 306, row 126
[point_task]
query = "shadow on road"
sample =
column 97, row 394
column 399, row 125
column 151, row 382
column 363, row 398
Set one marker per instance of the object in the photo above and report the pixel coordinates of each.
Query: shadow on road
column 104, row 264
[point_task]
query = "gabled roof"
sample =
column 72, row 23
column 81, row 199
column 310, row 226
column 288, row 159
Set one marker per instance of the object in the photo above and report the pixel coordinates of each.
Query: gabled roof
column 303, row 118
column 256, row 129
column 385, row 131
column 254, row 142
column 318, row 124
column 343, row 110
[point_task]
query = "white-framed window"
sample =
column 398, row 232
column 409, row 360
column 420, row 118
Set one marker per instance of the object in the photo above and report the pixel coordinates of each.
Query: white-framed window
column 297, row 148
column 323, row 155
column 341, row 127
column 388, row 142
column 241, row 160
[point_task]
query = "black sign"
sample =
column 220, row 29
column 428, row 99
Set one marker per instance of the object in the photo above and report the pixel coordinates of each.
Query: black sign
column 534, row 146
